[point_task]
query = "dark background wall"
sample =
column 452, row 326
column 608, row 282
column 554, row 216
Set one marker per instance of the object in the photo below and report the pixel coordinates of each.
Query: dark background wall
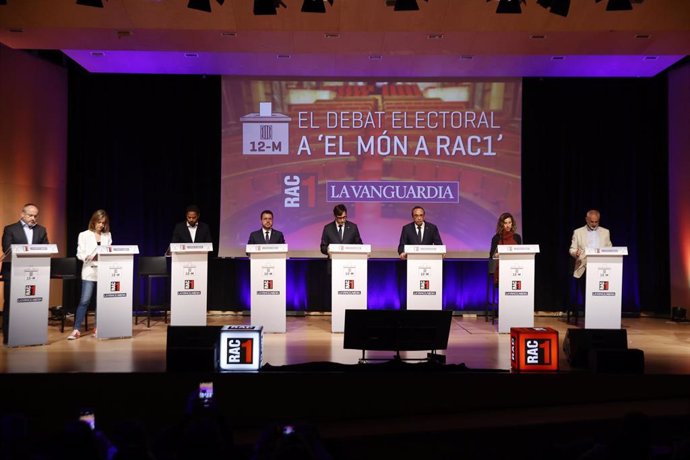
column 143, row 147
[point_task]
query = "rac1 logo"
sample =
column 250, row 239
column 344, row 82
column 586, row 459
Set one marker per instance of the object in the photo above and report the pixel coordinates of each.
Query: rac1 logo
column 299, row 191
column 538, row 351
column 240, row 351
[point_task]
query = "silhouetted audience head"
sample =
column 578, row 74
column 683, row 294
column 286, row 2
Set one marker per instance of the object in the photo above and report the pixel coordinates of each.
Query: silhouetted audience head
column 131, row 441
column 290, row 442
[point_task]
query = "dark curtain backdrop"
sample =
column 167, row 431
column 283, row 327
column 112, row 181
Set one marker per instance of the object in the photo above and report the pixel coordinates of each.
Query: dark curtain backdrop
column 598, row 143
column 143, row 147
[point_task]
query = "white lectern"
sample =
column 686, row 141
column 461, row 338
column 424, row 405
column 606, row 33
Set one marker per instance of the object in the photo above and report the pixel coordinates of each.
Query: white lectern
column 425, row 276
column 604, row 287
column 189, row 283
column 516, row 286
column 29, row 294
column 267, row 270
column 115, row 287
column 348, row 281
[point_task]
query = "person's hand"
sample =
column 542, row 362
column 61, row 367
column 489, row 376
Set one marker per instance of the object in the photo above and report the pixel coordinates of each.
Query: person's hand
column 403, row 255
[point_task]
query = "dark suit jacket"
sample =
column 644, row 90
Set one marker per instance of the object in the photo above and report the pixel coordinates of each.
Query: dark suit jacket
column 330, row 235
column 257, row 237
column 14, row 234
column 181, row 234
column 408, row 235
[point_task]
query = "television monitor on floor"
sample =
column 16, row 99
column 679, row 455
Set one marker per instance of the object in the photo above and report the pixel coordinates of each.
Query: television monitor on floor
column 397, row 330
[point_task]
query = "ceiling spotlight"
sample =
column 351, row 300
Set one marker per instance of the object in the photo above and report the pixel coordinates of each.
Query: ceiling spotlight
column 315, row 6
column 559, row 7
column 405, row 5
column 265, row 7
column 509, row 6
column 94, row 3
column 201, row 5
column 618, row 5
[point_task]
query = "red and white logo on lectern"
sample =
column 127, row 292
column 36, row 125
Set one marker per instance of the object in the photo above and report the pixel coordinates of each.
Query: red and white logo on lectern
column 538, row 352
column 268, row 284
column 603, row 285
column 240, row 351
column 349, row 284
column 114, row 286
column 189, row 284
column 516, row 285
column 30, row 289
column 423, row 284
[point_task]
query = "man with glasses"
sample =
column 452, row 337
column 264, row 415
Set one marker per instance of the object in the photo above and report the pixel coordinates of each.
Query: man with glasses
column 591, row 235
column 418, row 232
column 26, row 231
column 340, row 231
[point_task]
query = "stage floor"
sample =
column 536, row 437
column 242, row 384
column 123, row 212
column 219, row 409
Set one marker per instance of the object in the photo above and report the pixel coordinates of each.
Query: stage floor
column 362, row 412
column 472, row 341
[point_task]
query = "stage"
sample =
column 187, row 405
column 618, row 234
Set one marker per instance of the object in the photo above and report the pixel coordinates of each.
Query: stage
column 379, row 410
column 473, row 342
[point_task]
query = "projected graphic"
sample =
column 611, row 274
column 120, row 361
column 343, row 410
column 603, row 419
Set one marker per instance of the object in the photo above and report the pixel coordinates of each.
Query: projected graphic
column 299, row 148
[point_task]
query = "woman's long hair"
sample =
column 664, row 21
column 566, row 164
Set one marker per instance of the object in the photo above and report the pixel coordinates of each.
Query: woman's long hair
column 96, row 217
column 501, row 218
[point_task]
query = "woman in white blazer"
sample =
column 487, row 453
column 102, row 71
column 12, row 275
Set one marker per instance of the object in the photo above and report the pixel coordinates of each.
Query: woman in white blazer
column 98, row 234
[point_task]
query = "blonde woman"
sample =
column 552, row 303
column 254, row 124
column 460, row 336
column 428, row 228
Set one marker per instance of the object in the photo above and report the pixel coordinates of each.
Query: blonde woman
column 97, row 235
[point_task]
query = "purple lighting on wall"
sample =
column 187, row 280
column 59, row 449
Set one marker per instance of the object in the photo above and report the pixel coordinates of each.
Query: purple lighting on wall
column 349, row 65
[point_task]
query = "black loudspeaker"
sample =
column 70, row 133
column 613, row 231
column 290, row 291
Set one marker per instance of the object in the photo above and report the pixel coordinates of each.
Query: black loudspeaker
column 616, row 361
column 679, row 315
column 578, row 343
column 192, row 348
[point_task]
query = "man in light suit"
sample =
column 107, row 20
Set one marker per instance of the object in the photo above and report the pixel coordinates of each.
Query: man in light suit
column 340, row 231
column 589, row 236
column 418, row 232
column 267, row 234
column 26, row 231
column 191, row 230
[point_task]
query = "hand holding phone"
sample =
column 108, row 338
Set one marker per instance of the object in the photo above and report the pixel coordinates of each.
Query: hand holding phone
column 87, row 416
column 206, row 393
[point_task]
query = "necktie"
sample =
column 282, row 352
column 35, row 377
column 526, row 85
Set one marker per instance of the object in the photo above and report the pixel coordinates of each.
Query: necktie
column 419, row 234
column 340, row 232
column 266, row 238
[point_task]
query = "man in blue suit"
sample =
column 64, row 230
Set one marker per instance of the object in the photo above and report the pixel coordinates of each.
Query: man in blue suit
column 267, row 234
column 340, row 231
column 26, row 231
column 418, row 232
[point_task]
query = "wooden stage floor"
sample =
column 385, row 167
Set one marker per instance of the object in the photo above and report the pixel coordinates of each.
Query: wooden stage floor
column 472, row 341
column 372, row 413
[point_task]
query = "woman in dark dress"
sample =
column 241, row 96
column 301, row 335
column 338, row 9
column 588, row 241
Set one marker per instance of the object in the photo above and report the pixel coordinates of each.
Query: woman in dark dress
column 505, row 234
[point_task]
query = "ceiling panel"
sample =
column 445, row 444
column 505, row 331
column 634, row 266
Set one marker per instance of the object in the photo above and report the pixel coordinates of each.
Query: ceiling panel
column 430, row 41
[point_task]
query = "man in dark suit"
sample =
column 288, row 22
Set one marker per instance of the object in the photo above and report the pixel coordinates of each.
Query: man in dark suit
column 267, row 234
column 26, row 231
column 339, row 231
column 191, row 231
column 418, row 232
